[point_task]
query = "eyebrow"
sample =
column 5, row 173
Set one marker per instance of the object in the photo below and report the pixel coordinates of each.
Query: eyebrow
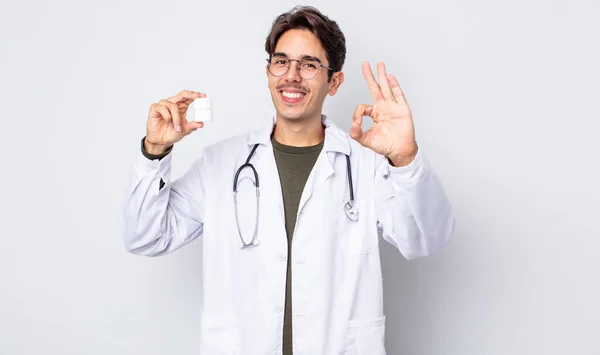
column 310, row 57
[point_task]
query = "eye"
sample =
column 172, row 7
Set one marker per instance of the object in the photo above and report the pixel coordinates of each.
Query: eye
column 310, row 65
column 279, row 61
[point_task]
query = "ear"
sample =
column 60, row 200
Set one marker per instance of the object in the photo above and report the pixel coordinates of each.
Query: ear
column 336, row 80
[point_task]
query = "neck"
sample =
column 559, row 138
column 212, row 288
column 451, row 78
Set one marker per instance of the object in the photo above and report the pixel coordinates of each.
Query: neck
column 299, row 134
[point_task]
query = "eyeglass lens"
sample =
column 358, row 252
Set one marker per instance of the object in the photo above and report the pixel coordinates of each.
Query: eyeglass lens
column 308, row 67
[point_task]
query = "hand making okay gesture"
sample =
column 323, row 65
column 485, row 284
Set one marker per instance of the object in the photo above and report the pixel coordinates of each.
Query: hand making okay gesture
column 393, row 132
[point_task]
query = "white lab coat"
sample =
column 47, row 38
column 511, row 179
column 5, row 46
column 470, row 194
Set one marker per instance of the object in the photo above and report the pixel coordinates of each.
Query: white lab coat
column 336, row 280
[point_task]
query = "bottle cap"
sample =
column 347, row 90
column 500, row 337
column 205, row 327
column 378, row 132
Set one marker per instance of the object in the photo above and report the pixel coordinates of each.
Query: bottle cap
column 203, row 103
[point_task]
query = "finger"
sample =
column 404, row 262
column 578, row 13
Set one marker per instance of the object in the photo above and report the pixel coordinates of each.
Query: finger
column 153, row 112
column 160, row 111
column 361, row 111
column 184, row 106
column 396, row 89
column 186, row 95
column 372, row 83
column 192, row 126
column 385, row 84
column 356, row 131
column 174, row 110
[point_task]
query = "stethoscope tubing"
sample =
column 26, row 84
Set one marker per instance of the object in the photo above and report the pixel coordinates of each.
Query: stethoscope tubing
column 349, row 207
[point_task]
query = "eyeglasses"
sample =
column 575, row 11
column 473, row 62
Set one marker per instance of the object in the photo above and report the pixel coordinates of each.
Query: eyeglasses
column 308, row 67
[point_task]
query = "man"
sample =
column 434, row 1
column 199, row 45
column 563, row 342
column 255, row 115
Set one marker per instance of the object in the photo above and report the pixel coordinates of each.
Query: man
column 298, row 272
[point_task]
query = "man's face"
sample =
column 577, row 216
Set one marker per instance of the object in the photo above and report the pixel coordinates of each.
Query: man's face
column 294, row 97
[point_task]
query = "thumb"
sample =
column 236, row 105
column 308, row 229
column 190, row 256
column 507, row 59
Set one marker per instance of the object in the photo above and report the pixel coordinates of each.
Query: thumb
column 193, row 125
column 356, row 131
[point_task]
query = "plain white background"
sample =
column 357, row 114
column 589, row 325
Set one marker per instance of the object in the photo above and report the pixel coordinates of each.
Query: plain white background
column 505, row 99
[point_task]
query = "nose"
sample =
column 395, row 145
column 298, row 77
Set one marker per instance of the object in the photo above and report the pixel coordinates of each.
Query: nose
column 293, row 73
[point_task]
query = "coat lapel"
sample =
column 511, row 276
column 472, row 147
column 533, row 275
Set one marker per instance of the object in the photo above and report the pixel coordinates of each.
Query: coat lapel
column 336, row 146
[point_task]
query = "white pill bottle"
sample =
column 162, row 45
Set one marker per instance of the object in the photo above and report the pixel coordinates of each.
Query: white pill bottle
column 202, row 109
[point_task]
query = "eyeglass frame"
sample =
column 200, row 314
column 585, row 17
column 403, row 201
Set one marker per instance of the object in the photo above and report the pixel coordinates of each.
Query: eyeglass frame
column 297, row 65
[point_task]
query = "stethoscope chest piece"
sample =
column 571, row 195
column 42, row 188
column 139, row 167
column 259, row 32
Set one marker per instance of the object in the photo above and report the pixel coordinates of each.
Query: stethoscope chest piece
column 253, row 243
column 351, row 211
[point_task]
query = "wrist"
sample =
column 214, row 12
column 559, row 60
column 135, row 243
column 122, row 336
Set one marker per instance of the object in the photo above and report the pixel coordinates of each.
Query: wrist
column 156, row 149
column 400, row 160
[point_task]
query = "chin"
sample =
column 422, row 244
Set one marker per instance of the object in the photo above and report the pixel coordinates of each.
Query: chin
column 290, row 117
column 290, row 113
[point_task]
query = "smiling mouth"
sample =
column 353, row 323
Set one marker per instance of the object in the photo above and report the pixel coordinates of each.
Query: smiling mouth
column 292, row 97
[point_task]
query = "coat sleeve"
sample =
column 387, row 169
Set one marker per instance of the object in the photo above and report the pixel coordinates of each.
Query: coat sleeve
column 414, row 213
column 161, row 216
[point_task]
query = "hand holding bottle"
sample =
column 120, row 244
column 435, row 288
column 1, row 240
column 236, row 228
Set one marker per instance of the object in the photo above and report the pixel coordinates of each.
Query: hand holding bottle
column 167, row 122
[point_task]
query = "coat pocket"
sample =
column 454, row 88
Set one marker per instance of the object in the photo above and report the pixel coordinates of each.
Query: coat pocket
column 358, row 237
column 366, row 337
column 219, row 334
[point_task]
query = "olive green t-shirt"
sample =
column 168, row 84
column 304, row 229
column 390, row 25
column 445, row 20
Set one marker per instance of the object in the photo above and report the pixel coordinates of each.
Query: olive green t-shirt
column 294, row 165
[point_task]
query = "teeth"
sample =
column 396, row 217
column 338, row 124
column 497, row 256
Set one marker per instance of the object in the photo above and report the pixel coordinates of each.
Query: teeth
column 292, row 95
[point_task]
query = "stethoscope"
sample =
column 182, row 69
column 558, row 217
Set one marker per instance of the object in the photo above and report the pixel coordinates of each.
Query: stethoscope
column 349, row 207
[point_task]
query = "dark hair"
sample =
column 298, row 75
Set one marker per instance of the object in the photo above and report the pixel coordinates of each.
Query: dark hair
column 309, row 18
